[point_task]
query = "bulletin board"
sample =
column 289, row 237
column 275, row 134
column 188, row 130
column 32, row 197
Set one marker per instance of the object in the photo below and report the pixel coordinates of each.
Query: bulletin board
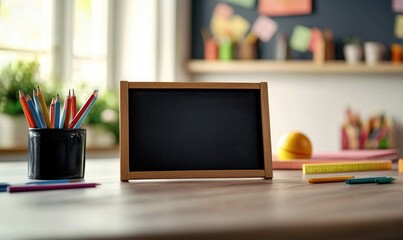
column 368, row 20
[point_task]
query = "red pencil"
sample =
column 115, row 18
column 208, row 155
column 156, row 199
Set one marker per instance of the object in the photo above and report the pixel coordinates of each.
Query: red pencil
column 82, row 109
column 27, row 112
column 73, row 104
column 67, row 118
column 52, row 113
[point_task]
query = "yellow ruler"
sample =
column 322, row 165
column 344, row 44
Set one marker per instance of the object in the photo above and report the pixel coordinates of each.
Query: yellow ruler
column 347, row 166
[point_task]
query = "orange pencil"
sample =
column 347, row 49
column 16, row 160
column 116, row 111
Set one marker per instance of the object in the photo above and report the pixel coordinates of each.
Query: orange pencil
column 329, row 179
column 73, row 105
column 27, row 112
column 44, row 108
column 52, row 113
column 68, row 112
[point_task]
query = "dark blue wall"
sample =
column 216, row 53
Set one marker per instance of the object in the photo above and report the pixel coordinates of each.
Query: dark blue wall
column 369, row 20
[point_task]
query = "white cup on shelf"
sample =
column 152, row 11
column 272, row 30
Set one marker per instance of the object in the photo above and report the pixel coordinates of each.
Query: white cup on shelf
column 353, row 53
column 374, row 52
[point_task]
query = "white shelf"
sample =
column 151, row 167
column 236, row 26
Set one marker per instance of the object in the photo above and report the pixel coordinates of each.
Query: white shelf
column 294, row 66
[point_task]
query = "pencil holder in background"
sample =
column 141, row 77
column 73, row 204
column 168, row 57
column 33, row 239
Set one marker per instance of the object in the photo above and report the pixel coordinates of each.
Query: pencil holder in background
column 56, row 153
column 247, row 50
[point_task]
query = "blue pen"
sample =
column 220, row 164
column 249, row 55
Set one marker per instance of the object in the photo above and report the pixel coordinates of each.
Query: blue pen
column 3, row 187
column 57, row 111
column 34, row 112
column 39, row 108
column 82, row 118
column 379, row 180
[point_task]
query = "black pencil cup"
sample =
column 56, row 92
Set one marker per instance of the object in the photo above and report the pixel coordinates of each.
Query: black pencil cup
column 56, row 153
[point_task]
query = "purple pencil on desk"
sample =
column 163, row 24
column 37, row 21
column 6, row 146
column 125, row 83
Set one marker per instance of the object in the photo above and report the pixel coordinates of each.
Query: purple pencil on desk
column 43, row 187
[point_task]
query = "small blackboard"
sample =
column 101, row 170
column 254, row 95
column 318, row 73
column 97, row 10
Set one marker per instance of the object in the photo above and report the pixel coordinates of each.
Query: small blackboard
column 194, row 130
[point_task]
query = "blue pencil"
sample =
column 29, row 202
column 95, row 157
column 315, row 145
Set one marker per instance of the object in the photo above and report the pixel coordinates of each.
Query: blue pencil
column 63, row 116
column 82, row 118
column 49, row 181
column 57, row 111
column 34, row 112
column 39, row 108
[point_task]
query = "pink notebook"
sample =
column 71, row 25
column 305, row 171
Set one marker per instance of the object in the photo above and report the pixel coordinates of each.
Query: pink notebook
column 357, row 154
column 336, row 156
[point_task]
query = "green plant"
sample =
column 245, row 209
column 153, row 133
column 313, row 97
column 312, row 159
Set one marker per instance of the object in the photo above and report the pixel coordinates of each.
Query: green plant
column 16, row 76
column 20, row 75
column 105, row 113
column 352, row 40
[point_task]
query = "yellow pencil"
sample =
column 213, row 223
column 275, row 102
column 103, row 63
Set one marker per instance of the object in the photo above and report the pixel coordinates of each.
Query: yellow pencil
column 44, row 108
column 329, row 179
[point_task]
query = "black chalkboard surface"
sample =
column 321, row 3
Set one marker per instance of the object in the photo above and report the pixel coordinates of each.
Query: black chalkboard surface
column 180, row 130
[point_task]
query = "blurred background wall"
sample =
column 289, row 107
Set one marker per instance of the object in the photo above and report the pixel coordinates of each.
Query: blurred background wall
column 86, row 44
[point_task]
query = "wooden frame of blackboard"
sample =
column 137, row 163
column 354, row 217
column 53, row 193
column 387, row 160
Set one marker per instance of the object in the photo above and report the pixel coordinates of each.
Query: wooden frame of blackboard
column 126, row 174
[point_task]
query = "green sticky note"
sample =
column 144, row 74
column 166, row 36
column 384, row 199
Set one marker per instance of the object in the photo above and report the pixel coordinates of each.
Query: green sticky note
column 243, row 3
column 399, row 26
column 300, row 38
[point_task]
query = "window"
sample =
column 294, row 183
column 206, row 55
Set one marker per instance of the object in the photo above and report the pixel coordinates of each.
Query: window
column 25, row 32
column 68, row 38
column 90, row 42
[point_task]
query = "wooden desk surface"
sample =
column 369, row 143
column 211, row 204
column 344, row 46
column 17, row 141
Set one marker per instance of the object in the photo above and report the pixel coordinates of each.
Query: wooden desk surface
column 286, row 207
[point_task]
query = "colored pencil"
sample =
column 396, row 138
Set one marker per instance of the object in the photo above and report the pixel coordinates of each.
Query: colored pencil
column 67, row 118
column 39, row 108
column 81, row 120
column 52, row 113
column 53, row 181
column 57, row 112
column 82, row 109
column 4, row 186
column 329, row 179
column 44, row 107
column 63, row 116
column 27, row 112
column 33, row 111
column 42, row 187
column 73, row 104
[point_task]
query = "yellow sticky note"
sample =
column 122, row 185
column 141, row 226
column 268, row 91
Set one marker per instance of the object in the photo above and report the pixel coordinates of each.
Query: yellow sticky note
column 239, row 27
column 220, row 27
column 399, row 26
column 400, row 166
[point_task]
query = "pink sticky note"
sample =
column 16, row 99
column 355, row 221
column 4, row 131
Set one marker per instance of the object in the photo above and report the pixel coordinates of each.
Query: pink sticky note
column 223, row 10
column 397, row 5
column 264, row 28
column 285, row 7
column 315, row 35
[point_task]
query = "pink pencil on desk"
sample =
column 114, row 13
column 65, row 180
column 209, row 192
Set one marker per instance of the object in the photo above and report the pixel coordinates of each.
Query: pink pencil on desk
column 43, row 187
